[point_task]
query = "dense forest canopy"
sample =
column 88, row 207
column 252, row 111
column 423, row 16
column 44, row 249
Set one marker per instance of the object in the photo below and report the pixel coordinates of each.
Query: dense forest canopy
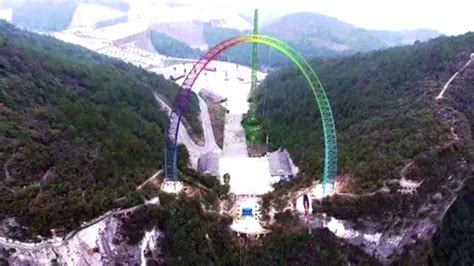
column 79, row 131
column 193, row 235
column 387, row 118
column 383, row 105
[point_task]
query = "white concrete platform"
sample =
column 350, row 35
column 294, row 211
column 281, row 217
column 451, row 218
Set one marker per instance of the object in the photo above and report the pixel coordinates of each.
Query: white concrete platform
column 248, row 176
column 172, row 187
column 248, row 226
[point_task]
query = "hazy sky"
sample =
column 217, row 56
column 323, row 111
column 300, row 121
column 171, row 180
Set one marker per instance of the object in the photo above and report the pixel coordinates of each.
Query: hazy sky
column 447, row 16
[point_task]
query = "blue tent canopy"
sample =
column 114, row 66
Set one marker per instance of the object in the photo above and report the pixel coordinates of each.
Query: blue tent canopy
column 247, row 212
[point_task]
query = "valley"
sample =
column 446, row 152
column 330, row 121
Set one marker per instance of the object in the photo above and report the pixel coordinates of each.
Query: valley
column 86, row 107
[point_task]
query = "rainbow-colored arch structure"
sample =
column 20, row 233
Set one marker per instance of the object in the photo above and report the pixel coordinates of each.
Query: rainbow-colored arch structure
column 181, row 102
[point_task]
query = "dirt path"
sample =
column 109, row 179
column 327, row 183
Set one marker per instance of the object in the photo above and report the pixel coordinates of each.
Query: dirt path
column 441, row 94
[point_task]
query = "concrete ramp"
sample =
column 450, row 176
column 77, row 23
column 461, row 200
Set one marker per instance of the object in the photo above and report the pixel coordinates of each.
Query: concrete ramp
column 235, row 144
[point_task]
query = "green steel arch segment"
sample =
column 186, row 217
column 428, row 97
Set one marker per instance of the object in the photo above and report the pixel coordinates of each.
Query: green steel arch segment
column 329, row 128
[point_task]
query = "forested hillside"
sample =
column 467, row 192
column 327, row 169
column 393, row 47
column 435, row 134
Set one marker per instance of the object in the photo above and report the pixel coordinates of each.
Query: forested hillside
column 167, row 45
column 383, row 103
column 389, row 127
column 194, row 236
column 78, row 131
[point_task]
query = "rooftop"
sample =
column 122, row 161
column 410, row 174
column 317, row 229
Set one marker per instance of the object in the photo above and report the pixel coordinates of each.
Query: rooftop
column 209, row 164
column 211, row 96
column 279, row 163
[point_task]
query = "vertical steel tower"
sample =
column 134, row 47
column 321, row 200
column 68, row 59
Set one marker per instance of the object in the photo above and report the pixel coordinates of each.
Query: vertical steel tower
column 253, row 124
column 254, row 53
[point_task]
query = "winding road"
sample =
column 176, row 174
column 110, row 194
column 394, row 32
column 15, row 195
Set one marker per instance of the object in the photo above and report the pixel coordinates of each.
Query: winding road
column 9, row 243
column 195, row 151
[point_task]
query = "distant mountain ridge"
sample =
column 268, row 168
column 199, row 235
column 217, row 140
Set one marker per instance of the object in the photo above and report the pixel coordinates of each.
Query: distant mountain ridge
column 319, row 31
column 405, row 37
column 311, row 34
column 322, row 31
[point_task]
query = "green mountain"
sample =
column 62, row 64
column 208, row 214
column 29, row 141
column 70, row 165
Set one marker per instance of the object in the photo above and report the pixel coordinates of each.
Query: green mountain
column 321, row 36
column 321, row 32
column 78, row 131
column 389, row 126
column 383, row 103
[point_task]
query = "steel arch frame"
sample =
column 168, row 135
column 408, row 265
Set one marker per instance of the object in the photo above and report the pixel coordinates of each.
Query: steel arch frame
column 181, row 102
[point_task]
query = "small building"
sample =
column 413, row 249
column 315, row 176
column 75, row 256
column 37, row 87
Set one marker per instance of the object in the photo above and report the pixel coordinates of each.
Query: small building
column 280, row 165
column 208, row 164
